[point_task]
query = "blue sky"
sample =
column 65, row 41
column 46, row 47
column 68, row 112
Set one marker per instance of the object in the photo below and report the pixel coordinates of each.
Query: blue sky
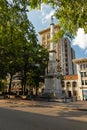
column 41, row 21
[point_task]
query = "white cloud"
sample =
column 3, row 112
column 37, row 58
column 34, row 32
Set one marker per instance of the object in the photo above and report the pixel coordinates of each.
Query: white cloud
column 81, row 39
column 41, row 18
column 47, row 17
column 46, row 12
column 44, row 6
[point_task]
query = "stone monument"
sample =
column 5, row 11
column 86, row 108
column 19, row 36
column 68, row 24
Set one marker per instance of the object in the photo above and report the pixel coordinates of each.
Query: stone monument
column 52, row 76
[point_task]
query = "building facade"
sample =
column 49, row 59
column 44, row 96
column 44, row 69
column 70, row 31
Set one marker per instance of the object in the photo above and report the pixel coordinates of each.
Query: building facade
column 64, row 52
column 70, row 86
column 74, row 69
column 82, row 77
column 65, row 55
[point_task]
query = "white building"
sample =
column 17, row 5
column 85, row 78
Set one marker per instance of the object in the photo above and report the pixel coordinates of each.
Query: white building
column 82, row 77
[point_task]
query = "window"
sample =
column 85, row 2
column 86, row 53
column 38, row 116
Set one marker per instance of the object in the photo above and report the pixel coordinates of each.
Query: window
column 85, row 74
column 74, row 93
column 86, row 65
column 66, row 64
column 82, row 82
column 80, row 66
column 81, row 74
column 68, row 84
column 83, row 66
column 74, row 84
column 85, row 82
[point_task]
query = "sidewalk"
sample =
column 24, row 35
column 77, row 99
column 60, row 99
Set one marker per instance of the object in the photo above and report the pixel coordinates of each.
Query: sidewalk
column 77, row 105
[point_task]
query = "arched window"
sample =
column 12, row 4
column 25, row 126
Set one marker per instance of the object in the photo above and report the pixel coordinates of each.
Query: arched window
column 68, row 84
column 74, row 93
column 74, row 84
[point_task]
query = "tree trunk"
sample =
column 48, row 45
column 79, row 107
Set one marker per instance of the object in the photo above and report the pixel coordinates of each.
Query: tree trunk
column 37, row 86
column 10, row 85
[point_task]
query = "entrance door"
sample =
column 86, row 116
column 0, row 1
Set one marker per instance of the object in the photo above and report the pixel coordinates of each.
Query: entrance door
column 69, row 93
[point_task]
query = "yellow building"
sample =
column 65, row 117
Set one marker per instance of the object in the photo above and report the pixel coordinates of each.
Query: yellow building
column 45, row 38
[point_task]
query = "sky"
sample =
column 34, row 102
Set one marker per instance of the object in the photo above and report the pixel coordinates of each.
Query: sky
column 41, row 20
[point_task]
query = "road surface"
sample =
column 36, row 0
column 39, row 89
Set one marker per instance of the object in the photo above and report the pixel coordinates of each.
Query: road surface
column 14, row 117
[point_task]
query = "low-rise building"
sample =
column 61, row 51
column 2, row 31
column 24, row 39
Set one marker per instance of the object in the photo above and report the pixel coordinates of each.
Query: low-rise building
column 82, row 77
column 70, row 86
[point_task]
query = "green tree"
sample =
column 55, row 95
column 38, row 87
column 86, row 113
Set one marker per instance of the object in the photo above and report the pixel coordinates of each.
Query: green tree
column 16, row 31
column 35, row 62
column 19, row 48
column 71, row 14
column 41, row 62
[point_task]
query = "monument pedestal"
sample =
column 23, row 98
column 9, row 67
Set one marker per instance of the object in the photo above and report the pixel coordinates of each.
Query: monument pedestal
column 52, row 85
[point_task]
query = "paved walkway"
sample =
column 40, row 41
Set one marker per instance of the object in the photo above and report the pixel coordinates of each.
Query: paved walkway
column 80, row 105
column 33, row 115
column 72, row 111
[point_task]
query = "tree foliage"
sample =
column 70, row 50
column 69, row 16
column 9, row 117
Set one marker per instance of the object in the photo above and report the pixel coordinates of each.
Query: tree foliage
column 19, row 49
column 71, row 14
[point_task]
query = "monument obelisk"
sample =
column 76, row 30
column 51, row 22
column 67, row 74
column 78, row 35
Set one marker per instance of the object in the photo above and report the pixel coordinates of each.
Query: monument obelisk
column 52, row 76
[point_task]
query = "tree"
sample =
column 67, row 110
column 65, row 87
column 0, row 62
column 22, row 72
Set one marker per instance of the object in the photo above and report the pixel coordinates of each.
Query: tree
column 71, row 14
column 41, row 62
column 18, row 44
column 35, row 66
column 16, row 31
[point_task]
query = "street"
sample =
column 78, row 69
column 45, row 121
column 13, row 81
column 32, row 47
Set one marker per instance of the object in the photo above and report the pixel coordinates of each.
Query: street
column 44, row 117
